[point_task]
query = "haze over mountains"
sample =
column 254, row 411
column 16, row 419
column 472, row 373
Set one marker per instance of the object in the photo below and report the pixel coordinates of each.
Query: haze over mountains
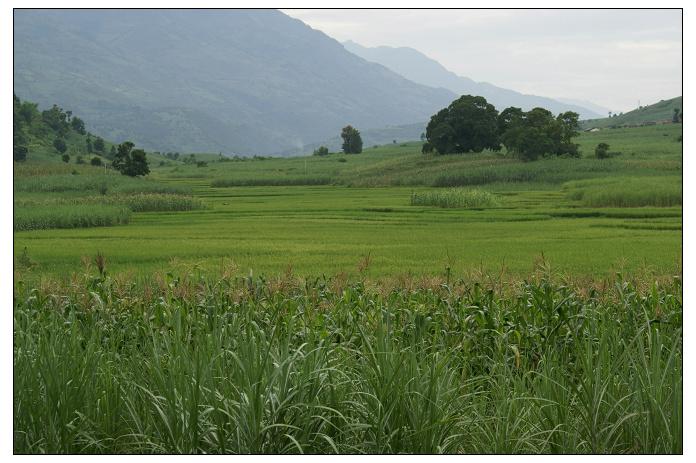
column 232, row 81
column 419, row 68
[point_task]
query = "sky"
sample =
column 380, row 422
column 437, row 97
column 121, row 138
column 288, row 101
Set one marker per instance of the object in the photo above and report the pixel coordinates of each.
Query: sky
column 613, row 58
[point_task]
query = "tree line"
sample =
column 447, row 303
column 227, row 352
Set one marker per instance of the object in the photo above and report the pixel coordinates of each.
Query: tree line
column 471, row 124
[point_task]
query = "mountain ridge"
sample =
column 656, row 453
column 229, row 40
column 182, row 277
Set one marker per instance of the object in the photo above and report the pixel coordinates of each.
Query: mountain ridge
column 420, row 68
column 238, row 82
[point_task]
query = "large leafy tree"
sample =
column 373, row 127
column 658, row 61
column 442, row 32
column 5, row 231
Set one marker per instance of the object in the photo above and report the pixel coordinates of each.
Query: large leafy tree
column 129, row 161
column 468, row 124
column 352, row 142
column 536, row 133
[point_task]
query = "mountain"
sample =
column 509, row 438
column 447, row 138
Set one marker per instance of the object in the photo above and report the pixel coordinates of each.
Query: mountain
column 419, row 68
column 231, row 81
column 660, row 112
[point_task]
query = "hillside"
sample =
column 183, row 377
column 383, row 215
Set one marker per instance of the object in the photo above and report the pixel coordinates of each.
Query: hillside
column 231, row 81
column 37, row 130
column 662, row 111
column 420, row 68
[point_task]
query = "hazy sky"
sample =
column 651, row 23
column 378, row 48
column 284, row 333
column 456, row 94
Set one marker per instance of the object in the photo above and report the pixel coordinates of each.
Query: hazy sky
column 610, row 57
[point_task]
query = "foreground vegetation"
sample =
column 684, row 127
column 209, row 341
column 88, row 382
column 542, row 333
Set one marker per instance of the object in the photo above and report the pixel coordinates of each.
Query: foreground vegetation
column 189, row 364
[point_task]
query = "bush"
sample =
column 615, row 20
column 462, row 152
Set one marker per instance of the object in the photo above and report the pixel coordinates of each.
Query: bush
column 59, row 145
column 602, row 151
column 96, row 161
column 321, row 151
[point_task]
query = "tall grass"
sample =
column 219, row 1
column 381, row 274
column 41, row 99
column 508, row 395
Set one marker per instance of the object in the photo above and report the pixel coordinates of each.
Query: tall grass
column 137, row 202
column 455, row 198
column 95, row 184
column 69, row 216
column 627, row 192
column 193, row 365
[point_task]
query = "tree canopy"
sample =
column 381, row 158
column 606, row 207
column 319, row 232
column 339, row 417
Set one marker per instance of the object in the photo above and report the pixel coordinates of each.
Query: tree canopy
column 468, row 124
column 352, row 142
column 471, row 124
column 129, row 161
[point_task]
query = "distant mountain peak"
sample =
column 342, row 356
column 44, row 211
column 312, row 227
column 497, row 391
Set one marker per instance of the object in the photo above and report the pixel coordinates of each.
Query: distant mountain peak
column 420, row 68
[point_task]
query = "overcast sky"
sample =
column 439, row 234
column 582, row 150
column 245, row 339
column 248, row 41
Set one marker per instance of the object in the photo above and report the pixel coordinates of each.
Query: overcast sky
column 613, row 58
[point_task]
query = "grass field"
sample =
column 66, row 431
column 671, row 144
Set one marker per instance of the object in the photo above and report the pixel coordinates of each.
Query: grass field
column 328, row 229
column 351, row 304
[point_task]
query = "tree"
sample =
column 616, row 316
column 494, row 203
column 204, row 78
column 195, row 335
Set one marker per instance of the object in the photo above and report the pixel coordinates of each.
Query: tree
column 96, row 161
column 536, row 133
column 129, row 161
column 468, row 124
column 676, row 117
column 90, row 148
column 57, row 120
column 112, row 152
column 59, row 145
column 98, row 145
column 352, row 142
column 602, row 151
column 78, row 125
column 66, row 158
column 321, row 151
column 138, row 164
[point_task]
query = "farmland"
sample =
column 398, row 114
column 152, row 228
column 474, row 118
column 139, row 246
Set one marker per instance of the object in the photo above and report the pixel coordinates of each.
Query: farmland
column 277, row 214
column 385, row 302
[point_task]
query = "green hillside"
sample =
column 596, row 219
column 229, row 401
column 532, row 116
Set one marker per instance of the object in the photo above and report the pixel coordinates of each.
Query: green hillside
column 41, row 132
column 645, row 115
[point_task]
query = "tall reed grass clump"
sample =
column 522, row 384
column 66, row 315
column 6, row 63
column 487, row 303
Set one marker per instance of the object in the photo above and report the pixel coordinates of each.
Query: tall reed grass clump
column 627, row 192
column 100, row 183
column 455, row 198
column 69, row 216
column 187, row 364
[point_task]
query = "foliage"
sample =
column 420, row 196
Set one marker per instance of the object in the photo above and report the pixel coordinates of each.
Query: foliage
column 69, row 216
column 129, row 161
column 321, row 151
column 536, row 133
column 352, row 142
column 187, row 364
column 627, row 192
column 66, row 158
column 59, row 145
column 96, row 161
column 455, row 198
column 469, row 124
column 78, row 125
column 602, row 151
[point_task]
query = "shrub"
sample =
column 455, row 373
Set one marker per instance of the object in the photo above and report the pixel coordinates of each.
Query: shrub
column 602, row 151
column 321, row 151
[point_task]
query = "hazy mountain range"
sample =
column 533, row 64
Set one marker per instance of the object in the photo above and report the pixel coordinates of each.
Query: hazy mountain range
column 419, row 68
column 232, row 81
